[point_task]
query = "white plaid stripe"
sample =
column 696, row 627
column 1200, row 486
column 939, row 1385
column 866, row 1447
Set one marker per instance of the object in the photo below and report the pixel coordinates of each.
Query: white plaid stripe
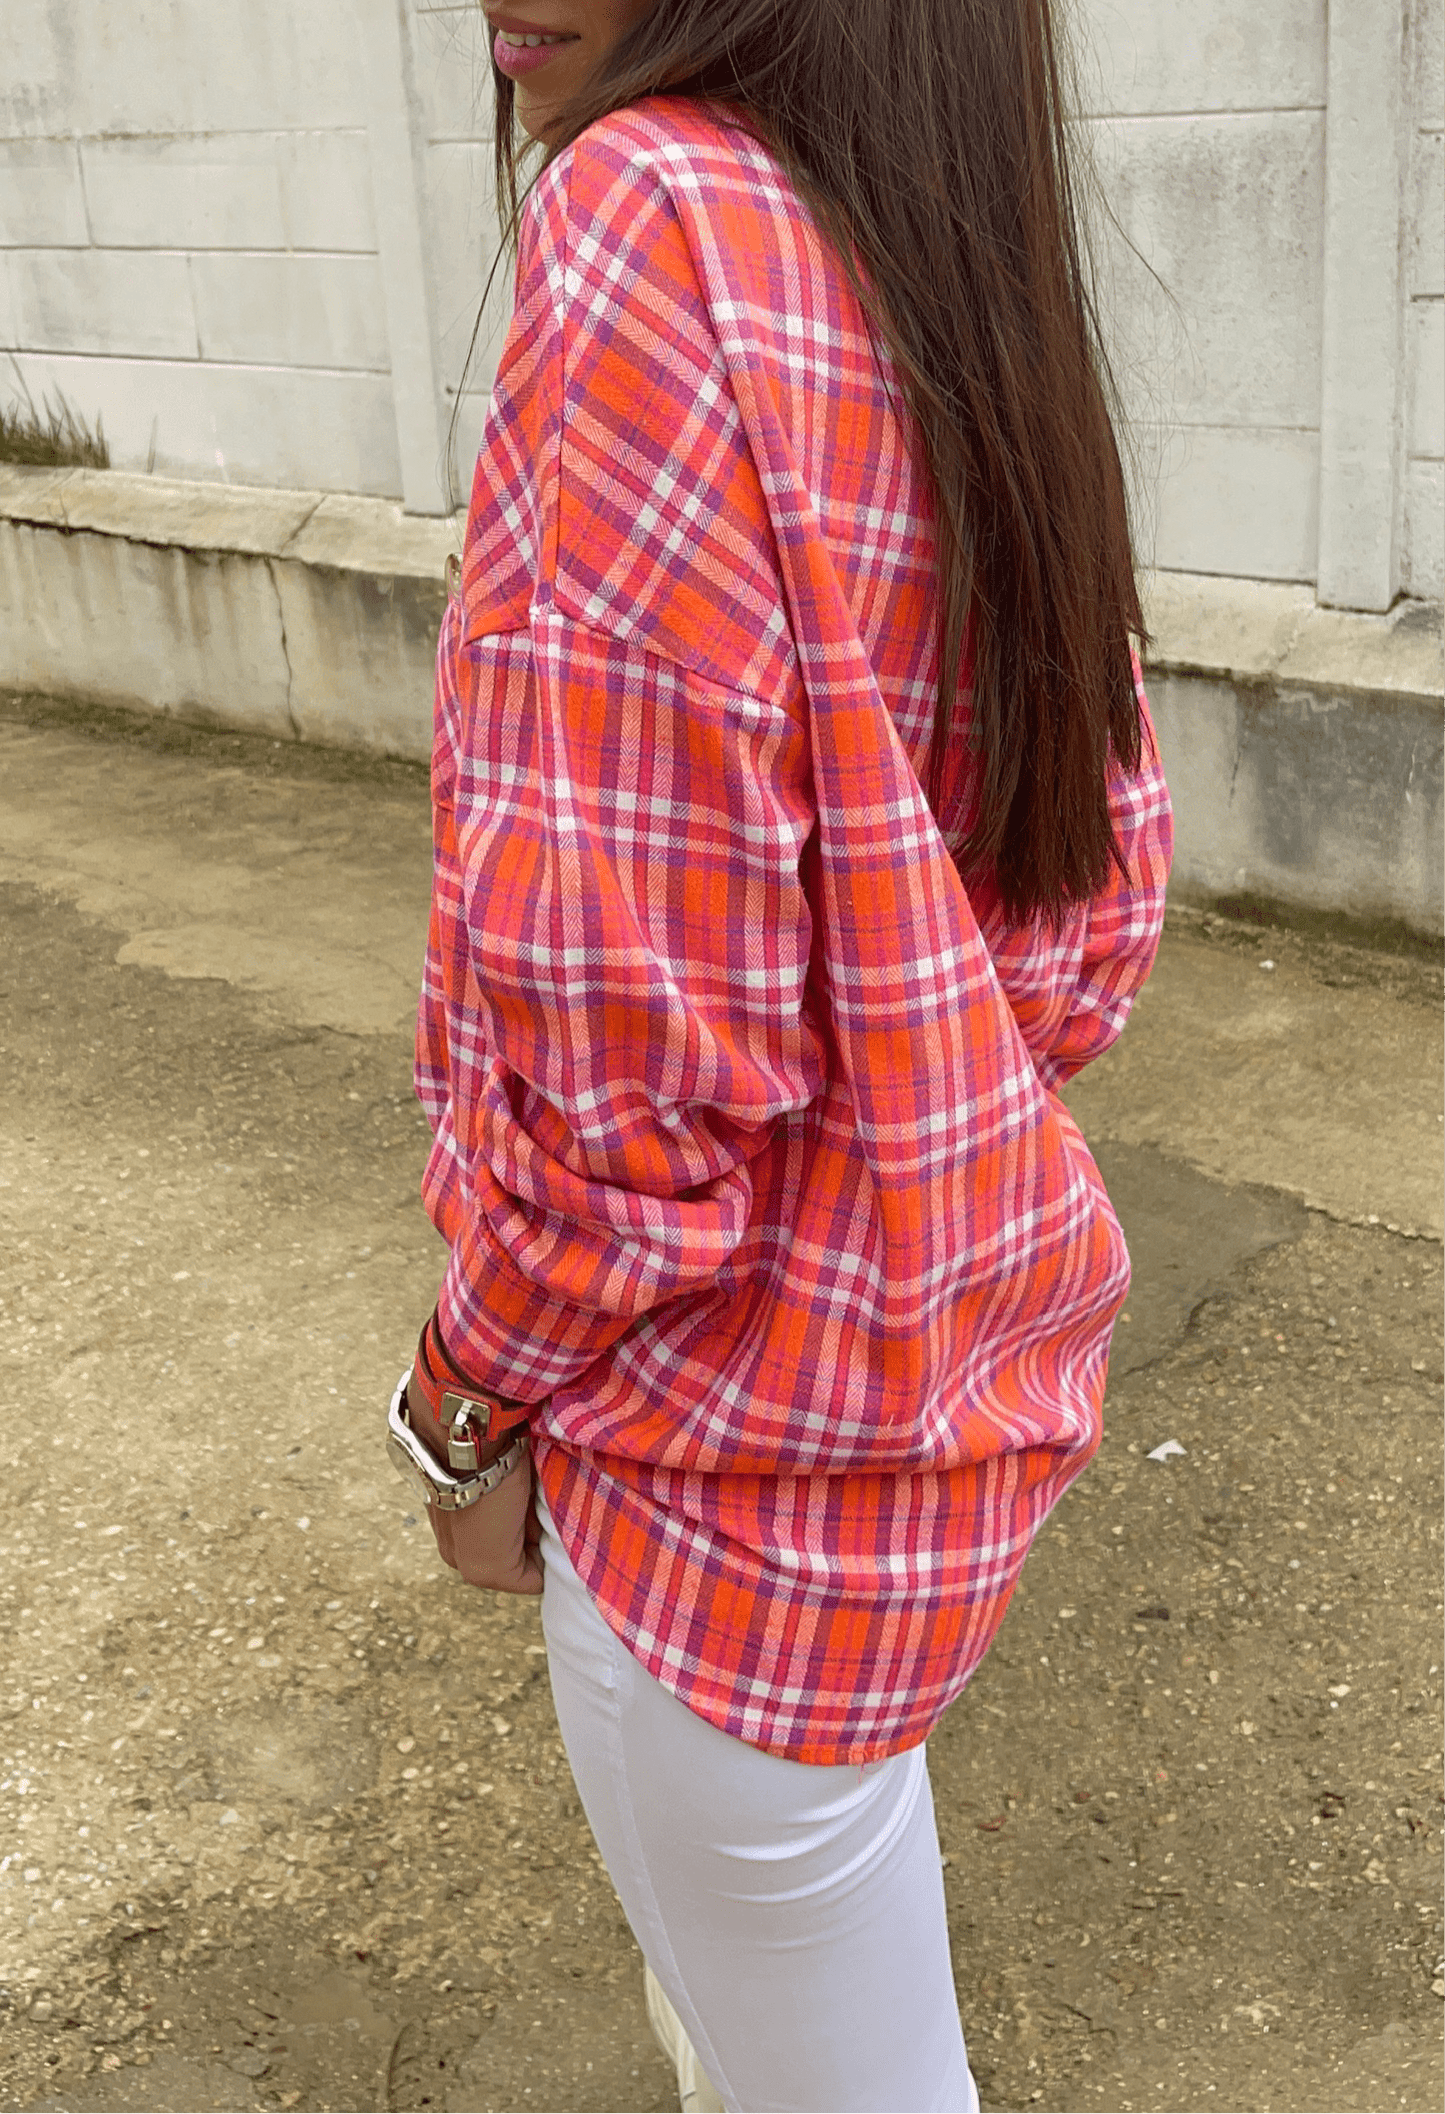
column 744, row 1138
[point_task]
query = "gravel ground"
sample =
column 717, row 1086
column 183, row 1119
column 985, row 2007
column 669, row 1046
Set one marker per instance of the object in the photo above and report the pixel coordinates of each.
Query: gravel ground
column 284, row 1820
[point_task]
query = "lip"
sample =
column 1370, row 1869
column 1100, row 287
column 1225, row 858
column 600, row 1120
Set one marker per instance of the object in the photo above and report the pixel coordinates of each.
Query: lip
column 516, row 60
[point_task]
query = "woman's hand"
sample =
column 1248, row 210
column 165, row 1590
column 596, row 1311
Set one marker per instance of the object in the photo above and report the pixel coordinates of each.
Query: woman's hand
column 494, row 1542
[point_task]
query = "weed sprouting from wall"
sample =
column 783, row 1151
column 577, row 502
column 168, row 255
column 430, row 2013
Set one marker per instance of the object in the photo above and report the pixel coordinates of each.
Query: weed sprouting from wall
column 51, row 434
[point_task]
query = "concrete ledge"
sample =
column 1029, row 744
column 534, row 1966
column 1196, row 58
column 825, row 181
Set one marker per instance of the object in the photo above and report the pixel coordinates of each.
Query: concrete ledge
column 1257, row 631
column 1303, row 748
column 303, row 615
column 319, row 528
column 1303, row 745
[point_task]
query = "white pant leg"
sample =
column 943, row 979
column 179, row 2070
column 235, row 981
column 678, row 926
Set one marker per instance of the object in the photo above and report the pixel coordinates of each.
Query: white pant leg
column 794, row 1915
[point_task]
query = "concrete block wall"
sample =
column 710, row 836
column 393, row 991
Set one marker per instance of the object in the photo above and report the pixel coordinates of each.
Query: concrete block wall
column 1208, row 119
column 454, row 111
column 256, row 241
column 188, row 242
column 1274, row 285
column 1422, row 508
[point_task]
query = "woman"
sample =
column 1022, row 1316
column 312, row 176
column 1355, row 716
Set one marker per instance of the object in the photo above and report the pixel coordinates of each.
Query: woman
column 799, row 830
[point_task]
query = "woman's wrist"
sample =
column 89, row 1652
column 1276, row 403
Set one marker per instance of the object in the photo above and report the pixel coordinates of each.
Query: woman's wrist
column 465, row 1426
column 448, row 1374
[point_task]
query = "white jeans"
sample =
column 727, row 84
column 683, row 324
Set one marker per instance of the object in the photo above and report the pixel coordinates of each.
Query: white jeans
column 793, row 1914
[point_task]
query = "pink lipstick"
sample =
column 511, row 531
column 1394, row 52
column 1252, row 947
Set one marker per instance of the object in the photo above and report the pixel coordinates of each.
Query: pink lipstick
column 519, row 59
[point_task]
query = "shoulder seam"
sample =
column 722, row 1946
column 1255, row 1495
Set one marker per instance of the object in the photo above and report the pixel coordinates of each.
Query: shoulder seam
column 636, row 641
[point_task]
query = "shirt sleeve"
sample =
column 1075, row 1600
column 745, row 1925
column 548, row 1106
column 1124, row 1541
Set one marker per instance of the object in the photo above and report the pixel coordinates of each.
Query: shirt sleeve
column 613, row 1014
column 1072, row 990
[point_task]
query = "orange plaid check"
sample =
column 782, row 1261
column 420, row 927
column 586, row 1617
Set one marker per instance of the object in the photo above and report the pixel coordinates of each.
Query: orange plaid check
column 747, row 1139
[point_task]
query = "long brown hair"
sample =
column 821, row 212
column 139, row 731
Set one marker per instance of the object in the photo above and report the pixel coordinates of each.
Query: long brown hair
column 929, row 138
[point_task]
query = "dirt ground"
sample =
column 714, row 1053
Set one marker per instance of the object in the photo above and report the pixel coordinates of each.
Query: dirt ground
column 284, row 1819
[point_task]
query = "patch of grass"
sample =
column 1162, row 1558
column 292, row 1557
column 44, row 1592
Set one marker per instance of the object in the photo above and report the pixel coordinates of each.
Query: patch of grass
column 51, row 435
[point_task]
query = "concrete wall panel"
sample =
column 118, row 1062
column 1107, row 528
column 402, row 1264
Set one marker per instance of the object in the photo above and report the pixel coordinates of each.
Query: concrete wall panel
column 362, row 648
column 178, row 66
column 42, row 202
column 296, row 311
column 1329, row 801
column 1194, row 55
column 256, row 425
column 454, row 73
column 336, row 644
column 1427, row 20
column 1424, row 529
column 103, row 301
column 1425, row 223
column 1227, row 212
column 463, row 239
column 1422, row 539
column 1427, row 378
column 38, row 98
column 154, row 630
column 258, row 190
column 1230, row 500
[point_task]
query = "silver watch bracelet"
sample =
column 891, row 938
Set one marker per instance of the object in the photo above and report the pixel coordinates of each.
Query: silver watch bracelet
column 439, row 1486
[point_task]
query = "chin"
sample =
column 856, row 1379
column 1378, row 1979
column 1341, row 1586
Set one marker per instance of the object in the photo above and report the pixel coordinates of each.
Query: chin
column 534, row 116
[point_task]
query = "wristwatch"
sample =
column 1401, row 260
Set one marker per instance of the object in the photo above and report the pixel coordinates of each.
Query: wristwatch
column 443, row 1487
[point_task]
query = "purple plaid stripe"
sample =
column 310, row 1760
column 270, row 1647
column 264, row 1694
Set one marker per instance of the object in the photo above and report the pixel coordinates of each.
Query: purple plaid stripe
column 748, row 1144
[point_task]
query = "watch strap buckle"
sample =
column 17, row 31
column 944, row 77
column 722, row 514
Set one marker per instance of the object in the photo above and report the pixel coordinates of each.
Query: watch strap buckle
column 468, row 1422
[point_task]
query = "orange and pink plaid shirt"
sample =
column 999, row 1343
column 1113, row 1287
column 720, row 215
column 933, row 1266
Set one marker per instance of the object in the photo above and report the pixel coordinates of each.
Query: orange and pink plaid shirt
column 747, row 1139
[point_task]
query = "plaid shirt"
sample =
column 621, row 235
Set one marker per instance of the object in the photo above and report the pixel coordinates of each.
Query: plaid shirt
column 747, row 1139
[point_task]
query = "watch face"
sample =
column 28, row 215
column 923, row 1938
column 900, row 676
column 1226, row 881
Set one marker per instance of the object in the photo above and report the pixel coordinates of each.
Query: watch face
column 406, row 1467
